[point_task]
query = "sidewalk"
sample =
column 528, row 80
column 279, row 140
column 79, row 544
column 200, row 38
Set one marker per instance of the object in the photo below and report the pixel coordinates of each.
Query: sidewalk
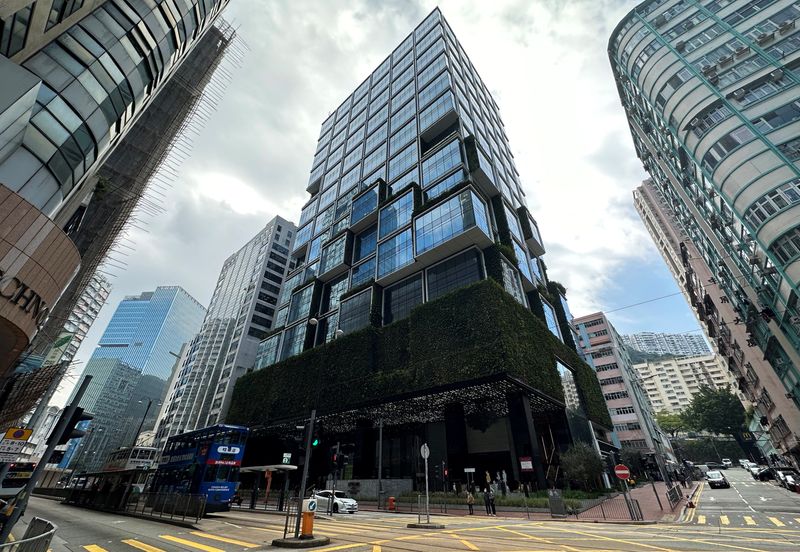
column 648, row 503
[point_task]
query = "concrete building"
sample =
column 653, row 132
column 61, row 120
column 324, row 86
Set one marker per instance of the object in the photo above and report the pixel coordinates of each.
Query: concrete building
column 75, row 76
column 671, row 383
column 240, row 315
column 667, row 344
column 710, row 91
column 138, row 348
column 623, row 390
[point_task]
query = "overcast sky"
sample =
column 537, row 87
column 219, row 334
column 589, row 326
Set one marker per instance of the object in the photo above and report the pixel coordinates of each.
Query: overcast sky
column 546, row 65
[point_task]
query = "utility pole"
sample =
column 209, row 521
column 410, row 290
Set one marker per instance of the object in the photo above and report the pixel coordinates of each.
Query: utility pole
column 22, row 498
column 332, row 501
column 302, row 493
column 380, row 461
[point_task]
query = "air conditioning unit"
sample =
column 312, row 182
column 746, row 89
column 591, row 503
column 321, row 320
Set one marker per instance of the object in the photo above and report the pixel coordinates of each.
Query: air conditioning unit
column 680, row 46
column 754, row 260
column 688, row 24
column 739, row 94
column 763, row 38
column 776, row 75
column 660, row 20
column 725, row 60
column 786, row 26
column 795, row 319
column 713, row 79
column 742, row 50
column 770, row 270
column 708, row 69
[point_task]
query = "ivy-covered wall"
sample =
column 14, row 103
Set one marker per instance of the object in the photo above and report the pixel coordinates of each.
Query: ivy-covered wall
column 474, row 332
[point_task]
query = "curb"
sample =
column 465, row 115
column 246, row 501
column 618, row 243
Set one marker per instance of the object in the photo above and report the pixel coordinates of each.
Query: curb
column 689, row 498
column 178, row 523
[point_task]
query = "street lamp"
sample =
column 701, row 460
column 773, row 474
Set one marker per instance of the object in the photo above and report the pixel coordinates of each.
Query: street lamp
column 146, row 411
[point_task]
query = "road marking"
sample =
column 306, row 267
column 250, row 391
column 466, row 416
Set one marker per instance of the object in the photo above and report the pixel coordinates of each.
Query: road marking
column 724, row 520
column 142, row 546
column 777, row 522
column 193, row 544
column 748, row 520
column 225, row 539
column 94, row 548
column 634, row 543
column 342, row 547
column 715, row 543
column 469, row 545
column 532, row 537
column 376, row 548
column 701, row 520
column 233, row 524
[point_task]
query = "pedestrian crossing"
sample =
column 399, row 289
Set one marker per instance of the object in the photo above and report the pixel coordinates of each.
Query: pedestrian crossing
column 741, row 520
column 194, row 540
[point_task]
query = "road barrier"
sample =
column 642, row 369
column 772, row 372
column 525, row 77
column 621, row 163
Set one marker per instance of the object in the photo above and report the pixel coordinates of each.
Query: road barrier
column 172, row 506
column 610, row 508
column 37, row 537
column 674, row 495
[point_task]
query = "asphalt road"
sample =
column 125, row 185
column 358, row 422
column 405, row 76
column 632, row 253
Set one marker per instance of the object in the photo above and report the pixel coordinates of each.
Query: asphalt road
column 87, row 531
column 748, row 503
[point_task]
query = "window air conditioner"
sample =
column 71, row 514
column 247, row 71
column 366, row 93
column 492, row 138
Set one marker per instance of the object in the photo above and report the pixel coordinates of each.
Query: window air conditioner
column 680, row 46
column 786, row 26
column 763, row 38
column 739, row 94
column 742, row 50
column 776, row 75
column 726, row 59
column 770, row 270
column 713, row 79
column 707, row 69
column 660, row 20
column 754, row 260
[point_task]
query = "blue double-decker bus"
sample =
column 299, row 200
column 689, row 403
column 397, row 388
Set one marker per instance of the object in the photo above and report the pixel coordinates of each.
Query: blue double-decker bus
column 205, row 461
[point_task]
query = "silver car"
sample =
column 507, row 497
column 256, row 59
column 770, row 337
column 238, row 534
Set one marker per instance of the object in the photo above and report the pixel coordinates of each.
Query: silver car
column 341, row 502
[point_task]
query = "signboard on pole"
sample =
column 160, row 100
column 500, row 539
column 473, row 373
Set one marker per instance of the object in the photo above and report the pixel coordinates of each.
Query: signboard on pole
column 525, row 463
column 426, row 452
column 469, row 470
column 13, row 443
column 622, row 471
column 287, row 458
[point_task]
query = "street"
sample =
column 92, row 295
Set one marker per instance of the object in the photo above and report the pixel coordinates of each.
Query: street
column 89, row 531
column 748, row 503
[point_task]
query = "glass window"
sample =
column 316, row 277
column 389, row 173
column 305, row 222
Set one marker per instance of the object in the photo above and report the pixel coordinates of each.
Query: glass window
column 395, row 253
column 314, row 249
column 350, row 179
column 376, row 138
column 445, row 185
column 403, row 161
column 522, row 261
column 405, row 113
column 456, row 272
column 550, row 317
column 293, row 340
column 332, row 293
column 511, row 282
column 364, row 204
column 363, row 273
column 397, row 214
column 300, row 304
column 439, row 85
column 432, row 70
column 456, row 215
column 267, row 353
column 303, row 235
column 354, row 312
column 333, row 254
column 441, row 162
column 399, row 299
column 436, row 110
column 365, row 243
column 405, row 180
column 376, row 120
column 403, row 96
column 402, row 137
column 374, row 160
column 326, row 329
column 513, row 223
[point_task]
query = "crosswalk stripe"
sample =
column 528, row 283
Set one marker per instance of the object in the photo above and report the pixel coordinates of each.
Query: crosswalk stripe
column 748, row 520
column 142, row 546
column 701, row 520
column 192, row 544
column 225, row 539
column 797, row 520
column 724, row 520
column 94, row 548
column 777, row 522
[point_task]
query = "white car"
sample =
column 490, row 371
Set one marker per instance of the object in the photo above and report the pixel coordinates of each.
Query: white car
column 743, row 462
column 727, row 462
column 341, row 502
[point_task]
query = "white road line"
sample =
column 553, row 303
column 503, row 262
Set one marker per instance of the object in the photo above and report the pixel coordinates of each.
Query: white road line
column 743, row 500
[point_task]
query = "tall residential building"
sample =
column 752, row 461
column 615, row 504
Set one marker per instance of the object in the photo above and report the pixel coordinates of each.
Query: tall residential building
column 710, row 91
column 623, row 389
column 75, row 76
column 759, row 385
column 144, row 336
column 671, row 383
column 416, row 278
column 667, row 344
column 240, row 315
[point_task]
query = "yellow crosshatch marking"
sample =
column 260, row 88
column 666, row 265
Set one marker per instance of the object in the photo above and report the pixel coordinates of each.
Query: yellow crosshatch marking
column 225, row 539
column 724, row 520
column 749, row 521
column 94, row 548
column 142, row 546
column 701, row 520
column 192, row 544
column 777, row 522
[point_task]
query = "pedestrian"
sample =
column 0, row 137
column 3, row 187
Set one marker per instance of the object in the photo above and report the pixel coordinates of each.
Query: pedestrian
column 470, row 502
column 486, row 492
column 491, row 502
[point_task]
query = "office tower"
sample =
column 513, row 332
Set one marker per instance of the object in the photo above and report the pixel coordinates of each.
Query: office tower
column 417, row 296
column 144, row 336
column 671, row 383
column 240, row 315
column 84, row 314
column 74, row 78
column 710, row 91
column 623, row 389
column 759, row 385
column 667, row 344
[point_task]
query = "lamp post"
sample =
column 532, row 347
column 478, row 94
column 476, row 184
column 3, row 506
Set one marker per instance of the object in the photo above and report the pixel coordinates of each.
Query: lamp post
column 144, row 417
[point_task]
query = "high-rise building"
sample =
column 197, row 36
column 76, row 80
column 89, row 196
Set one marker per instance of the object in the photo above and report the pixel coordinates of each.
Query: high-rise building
column 75, row 76
column 417, row 295
column 84, row 314
column 623, row 389
column 710, row 91
column 667, row 344
column 240, row 315
column 144, row 336
column 671, row 383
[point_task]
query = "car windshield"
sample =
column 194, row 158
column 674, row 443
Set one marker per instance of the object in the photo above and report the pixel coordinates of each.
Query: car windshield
column 340, row 494
column 714, row 475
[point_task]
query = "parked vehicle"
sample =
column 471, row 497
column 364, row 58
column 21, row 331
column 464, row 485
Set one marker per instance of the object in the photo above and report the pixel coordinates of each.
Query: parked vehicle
column 715, row 466
column 341, row 502
column 754, row 469
column 793, row 483
column 717, row 481
column 743, row 462
column 726, row 463
column 782, row 473
column 765, row 474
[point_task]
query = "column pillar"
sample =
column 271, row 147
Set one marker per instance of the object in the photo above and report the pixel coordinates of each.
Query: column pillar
column 456, row 434
column 523, row 432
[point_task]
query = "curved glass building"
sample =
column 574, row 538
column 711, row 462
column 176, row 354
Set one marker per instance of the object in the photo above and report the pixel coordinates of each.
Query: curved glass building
column 711, row 91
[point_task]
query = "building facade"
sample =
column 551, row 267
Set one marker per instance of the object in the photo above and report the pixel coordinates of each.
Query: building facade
column 623, row 389
column 240, row 315
column 139, row 348
column 672, row 383
column 76, row 75
column 710, row 91
column 667, row 344
column 415, row 258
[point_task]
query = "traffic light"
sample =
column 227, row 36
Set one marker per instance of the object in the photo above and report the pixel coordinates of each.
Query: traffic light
column 71, row 431
column 341, row 460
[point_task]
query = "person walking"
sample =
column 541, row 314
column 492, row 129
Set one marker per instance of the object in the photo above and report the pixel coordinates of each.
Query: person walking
column 486, row 492
column 491, row 502
column 470, row 502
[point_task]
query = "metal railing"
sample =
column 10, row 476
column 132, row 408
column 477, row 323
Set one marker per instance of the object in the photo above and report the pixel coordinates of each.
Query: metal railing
column 674, row 495
column 292, row 507
column 37, row 537
column 611, row 508
column 168, row 505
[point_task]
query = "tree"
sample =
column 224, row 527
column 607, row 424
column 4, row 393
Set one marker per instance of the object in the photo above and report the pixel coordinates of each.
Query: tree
column 671, row 423
column 632, row 458
column 717, row 411
column 582, row 464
